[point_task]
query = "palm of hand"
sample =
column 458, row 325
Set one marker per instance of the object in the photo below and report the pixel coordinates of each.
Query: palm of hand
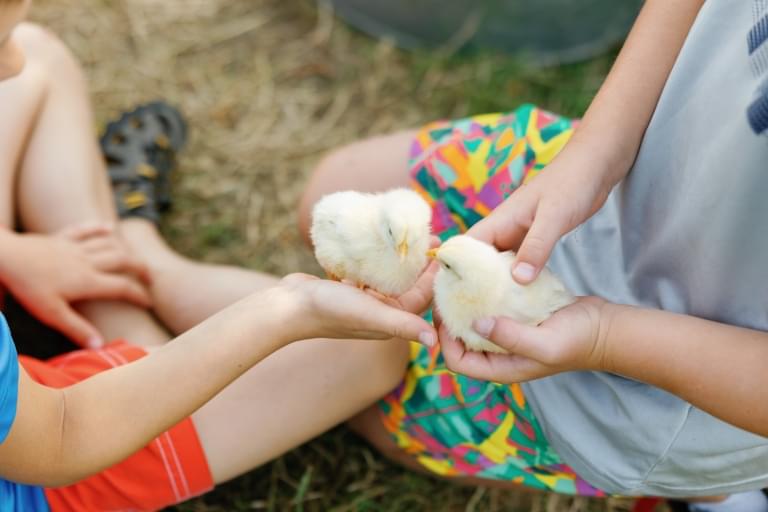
column 338, row 310
column 569, row 340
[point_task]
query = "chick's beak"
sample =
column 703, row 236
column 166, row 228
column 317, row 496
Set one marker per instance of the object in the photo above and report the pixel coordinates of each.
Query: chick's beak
column 432, row 253
column 402, row 250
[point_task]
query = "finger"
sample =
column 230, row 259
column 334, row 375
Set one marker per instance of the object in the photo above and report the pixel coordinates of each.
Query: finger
column 77, row 232
column 536, row 246
column 74, row 326
column 418, row 298
column 506, row 226
column 299, row 277
column 516, row 338
column 116, row 287
column 376, row 295
column 408, row 326
column 460, row 360
column 505, row 368
column 389, row 301
column 434, row 241
column 118, row 261
column 396, row 323
column 452, row 348
column 100, row 243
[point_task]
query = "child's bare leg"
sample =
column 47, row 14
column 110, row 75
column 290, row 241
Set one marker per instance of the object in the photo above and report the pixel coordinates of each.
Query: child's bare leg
column 57, row 166
column 370, row 165
column 186, row 292
column 62, row 157
column 291, row 397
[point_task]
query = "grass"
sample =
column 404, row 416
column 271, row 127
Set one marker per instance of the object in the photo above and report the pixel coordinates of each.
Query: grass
column 268, row 86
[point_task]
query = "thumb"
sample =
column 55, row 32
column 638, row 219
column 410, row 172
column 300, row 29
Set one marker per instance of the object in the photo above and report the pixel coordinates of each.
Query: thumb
column 516, row 338
column 75, row 327
column 418, row 298
column 536, row 247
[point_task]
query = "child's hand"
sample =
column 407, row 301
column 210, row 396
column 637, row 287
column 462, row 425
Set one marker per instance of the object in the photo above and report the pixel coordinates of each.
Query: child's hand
column 48, row 273
column 336, row 310
column 571, row 339
column 569, row 191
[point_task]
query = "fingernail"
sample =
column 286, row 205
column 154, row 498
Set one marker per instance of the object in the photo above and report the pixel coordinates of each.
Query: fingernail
column 524, row 271
column 484, row 326
column 94, row 342
column 427, row 338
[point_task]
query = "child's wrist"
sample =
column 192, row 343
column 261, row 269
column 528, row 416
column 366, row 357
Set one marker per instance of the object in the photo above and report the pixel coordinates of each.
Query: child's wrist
column 287, row 311
column 608, row 345
column 596, row 161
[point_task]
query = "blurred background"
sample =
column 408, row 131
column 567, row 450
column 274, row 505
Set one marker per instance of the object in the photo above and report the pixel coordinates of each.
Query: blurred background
column 268, row 86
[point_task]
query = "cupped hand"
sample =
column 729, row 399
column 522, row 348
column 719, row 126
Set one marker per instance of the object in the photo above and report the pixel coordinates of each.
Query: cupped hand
column 48, row 273
column 537, row 214
column 571, row 339
column 338, row 310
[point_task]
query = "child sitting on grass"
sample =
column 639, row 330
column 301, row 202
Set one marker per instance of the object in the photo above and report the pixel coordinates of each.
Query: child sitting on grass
column 654, row 205
column 143, row 423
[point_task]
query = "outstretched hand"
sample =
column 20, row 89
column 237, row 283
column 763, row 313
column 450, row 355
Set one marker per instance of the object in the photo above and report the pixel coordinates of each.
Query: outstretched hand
column 338, row 310
column 571, row 339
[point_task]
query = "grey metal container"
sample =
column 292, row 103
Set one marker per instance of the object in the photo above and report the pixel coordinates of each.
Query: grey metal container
column 551, row 31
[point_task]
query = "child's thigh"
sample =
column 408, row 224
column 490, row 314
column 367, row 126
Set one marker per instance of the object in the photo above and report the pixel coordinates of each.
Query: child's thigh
column 370, row 165
column 22, row 99
column 292, row 396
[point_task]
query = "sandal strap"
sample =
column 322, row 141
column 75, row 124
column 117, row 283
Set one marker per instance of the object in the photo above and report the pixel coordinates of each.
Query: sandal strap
column 140, row 149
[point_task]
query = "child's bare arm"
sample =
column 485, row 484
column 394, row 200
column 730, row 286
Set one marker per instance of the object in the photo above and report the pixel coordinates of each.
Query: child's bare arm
column 60, row 436
column 717, row 367
column 600, row 153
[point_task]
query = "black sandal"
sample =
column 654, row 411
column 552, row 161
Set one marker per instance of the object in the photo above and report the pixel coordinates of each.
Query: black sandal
column 140, row 148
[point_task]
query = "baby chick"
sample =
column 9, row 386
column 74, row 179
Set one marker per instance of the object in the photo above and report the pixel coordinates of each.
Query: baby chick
column 474, row 281
column 375, row 240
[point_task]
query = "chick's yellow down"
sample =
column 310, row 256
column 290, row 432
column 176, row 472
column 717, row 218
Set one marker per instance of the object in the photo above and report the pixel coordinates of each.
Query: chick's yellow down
column 475, row 281
column 376, row 240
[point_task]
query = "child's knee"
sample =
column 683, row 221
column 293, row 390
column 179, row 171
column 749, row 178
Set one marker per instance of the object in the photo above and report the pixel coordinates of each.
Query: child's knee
column 36, row 39
column 321, row 182
column 391, row 362
column 45, row 50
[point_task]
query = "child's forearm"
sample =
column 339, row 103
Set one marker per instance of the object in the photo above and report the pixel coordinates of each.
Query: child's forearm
column 111, row 415
column 615, row 122
column 717, row 367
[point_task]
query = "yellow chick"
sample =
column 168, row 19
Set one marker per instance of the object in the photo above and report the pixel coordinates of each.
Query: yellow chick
column 475, row 281
column 374, row 240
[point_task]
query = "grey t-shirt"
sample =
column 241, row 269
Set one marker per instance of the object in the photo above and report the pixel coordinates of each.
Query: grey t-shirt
column 684, row 232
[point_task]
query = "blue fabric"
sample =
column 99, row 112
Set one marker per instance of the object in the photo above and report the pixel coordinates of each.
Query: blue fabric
column 9, row 379
column 13, row 497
